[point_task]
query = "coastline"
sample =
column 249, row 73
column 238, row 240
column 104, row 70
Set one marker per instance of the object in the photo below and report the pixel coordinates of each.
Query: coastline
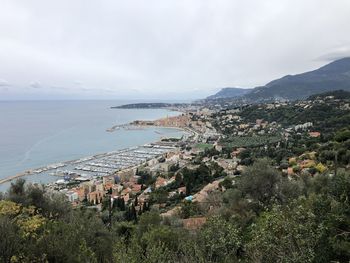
column 53, row 166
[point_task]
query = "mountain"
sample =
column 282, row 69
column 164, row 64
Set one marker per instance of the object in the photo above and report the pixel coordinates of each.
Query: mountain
column 229, row 93
column 333, row 76
column 337, row 94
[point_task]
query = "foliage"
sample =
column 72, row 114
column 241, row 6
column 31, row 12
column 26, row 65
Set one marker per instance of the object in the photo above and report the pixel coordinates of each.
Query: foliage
column 220, row 239
column 250, row 141
column 285, row 234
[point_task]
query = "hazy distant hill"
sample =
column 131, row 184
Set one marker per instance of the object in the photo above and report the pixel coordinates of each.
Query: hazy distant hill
column 229, row 93
column 333, row 76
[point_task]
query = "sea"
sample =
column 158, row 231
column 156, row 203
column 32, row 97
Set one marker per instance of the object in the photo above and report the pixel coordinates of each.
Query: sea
column 37, row 133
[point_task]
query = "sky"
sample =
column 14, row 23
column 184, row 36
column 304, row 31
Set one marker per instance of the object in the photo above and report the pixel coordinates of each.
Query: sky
column 162, row 49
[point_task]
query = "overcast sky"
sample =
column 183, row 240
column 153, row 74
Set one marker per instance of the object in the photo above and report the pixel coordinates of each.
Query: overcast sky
column 179, row 49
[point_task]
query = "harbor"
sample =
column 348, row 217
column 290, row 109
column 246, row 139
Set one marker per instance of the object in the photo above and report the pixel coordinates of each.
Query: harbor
column 99, row 165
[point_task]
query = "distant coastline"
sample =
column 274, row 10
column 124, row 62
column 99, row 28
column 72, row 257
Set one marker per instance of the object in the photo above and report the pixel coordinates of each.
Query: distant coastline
column 151, row 105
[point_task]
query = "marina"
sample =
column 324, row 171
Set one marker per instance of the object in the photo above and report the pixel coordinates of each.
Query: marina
column 101, row 164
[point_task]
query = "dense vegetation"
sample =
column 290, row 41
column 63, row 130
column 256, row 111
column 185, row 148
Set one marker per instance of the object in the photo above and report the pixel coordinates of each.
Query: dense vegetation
column 325, row 117
column 264, row 217
column 250, row 141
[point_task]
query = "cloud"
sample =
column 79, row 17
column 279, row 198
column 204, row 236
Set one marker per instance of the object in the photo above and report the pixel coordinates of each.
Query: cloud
column 336, row 53
column 165, row 49
column 78, row 83
column 4, row 83
column 36, row 85
column 4, row 89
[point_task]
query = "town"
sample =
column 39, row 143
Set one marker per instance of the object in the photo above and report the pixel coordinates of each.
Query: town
column 222, row 140
column 238, row 170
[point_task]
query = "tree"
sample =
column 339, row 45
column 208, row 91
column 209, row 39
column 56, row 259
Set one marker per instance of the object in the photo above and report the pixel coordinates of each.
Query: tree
column 161, row 237
column 16, row 192
column 259, row 182
column 342, row 136
column 285, row 234
column 226, row 183
column 189, row 209
column 220, row 240
column 10, row 242
column 147, row 221
column 159, row 196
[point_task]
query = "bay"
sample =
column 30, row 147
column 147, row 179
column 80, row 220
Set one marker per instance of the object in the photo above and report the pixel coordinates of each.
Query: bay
column 38, row 133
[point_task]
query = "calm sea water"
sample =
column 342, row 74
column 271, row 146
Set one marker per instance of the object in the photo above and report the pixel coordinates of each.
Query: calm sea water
column 37, row 133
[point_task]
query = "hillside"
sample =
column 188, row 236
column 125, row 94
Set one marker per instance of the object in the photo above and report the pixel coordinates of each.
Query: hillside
column 279, row 188
column 333, row 76
column 229, row 93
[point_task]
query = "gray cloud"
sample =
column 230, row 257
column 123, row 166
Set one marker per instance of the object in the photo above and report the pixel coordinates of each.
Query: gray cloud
column 162, row 48
column 336, row 53
column 36, row 85
column 4, row 83
column 4, row 89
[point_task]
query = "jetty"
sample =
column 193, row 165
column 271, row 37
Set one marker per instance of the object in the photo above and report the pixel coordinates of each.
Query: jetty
column 16, row 176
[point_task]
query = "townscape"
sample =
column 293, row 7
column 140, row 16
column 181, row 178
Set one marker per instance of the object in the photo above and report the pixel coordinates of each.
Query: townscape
column 175, row 131
column 227, row 133
column 232, row 163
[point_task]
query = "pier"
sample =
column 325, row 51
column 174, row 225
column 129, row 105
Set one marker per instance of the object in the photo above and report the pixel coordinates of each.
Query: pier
column 9, row 179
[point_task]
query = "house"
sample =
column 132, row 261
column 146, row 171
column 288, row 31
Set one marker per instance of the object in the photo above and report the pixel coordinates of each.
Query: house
column 227, row 164
column 99, row 186
column 88, row 187
column 236, row 152
column 72, row 196
column 161, row 167
column 307, row 163
column 218, row 147
column 95, row 197
column 126, row 198
column 136, row 188
column 181, row 190
column 81, row 194
column 108, row 180
column 126, row 174
column 314, row 134
column 116, row 189
column 290, row 171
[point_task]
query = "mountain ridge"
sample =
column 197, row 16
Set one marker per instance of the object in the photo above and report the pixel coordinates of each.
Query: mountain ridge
column 229, row 92
column 332, row 76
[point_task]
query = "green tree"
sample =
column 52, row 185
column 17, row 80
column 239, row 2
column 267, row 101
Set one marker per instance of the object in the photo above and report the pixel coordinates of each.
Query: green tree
column 220, row 240
column 285, row 234
column 259, row 182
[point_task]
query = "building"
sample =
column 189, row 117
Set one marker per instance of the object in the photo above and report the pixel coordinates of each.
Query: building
column 72, row 196
column 314, row 134
column 95, row 197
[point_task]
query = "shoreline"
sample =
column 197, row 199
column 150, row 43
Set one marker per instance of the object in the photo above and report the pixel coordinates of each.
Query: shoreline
column 53, row 166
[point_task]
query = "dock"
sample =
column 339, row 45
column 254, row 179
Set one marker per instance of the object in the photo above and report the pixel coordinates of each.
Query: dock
column 103, row 164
